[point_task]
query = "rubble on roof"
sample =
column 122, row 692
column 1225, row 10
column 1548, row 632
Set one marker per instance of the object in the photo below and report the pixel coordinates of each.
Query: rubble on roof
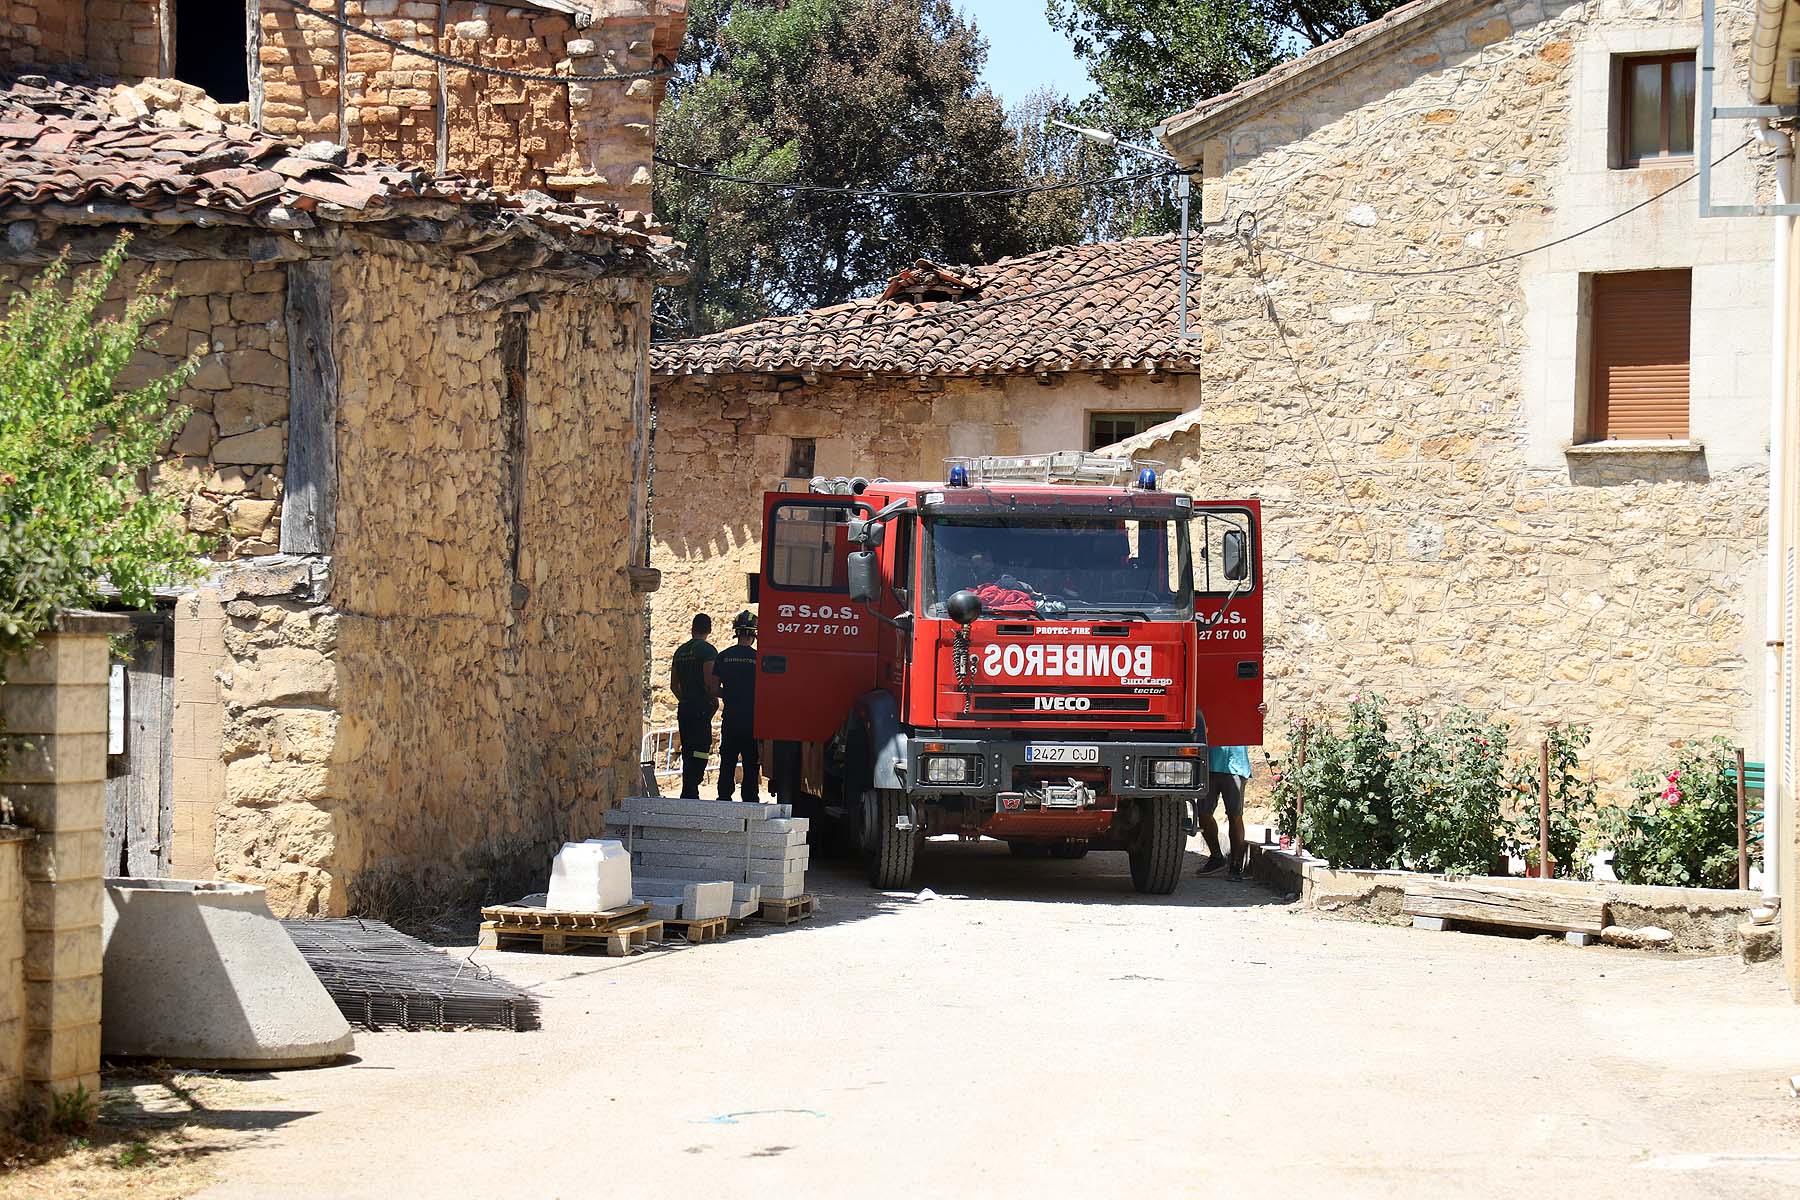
column 82, row 151
column 1103, row 306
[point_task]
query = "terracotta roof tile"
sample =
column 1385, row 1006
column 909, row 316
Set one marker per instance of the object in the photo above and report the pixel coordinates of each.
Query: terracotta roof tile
column 1103, row 305
column 162, row 147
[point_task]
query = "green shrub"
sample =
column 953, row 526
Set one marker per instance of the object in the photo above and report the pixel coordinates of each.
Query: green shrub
column 1681, row 828
column 1348, row 809
column 1448, row 784
column 1575, row 823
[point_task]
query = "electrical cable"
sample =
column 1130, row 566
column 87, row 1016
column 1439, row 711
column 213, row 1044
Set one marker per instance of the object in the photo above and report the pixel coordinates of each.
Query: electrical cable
column 1489, row 262
column 900, row 194
column 656, row 72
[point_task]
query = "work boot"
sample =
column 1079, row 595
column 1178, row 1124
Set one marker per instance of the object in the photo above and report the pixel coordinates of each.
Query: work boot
column 1238, row 864
column 1212, row 866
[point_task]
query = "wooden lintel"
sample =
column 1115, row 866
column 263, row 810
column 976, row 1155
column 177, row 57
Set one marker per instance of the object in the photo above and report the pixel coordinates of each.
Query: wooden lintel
column 309, row 502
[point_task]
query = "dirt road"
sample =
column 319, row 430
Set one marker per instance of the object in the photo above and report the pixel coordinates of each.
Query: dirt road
column 1039, row 1030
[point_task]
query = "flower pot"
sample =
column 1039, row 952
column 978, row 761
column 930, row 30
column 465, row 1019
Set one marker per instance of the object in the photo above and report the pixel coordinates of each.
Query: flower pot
column 1534, row 871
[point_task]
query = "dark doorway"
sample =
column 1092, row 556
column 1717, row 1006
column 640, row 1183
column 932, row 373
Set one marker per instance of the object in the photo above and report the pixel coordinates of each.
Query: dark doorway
column 140, row 765
column 211, row 50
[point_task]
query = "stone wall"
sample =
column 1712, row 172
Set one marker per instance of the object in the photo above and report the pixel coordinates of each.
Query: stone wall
column 458, row 696
column 228, row 459
column 586, row 139
column 54, row 703
column 12, row 968
column 114, row 37
column 1429, row 535
column 723, row 440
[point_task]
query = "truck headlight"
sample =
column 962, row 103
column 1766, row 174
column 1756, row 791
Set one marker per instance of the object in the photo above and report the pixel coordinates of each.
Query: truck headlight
column 1172, row 773
column 947, row 768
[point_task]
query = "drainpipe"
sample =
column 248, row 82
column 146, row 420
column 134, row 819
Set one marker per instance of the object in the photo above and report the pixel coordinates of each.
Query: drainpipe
column 1775, row 589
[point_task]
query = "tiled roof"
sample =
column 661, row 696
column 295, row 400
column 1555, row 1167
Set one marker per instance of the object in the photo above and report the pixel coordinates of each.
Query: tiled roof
column 161, row 152
column 1102, row 306
column 1320, row 63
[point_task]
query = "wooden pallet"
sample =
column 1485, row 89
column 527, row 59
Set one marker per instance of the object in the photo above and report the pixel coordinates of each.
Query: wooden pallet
column 711, row 929
column 531, row 916
column 615, row 942
column 786, row 912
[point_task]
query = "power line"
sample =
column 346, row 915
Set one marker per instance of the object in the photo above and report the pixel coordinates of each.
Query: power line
column 1490, row 262
column 897, row 194
column 658, row 72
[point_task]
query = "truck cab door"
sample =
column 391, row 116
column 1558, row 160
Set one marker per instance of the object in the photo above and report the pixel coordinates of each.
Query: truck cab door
column 817, row 652
column 1226, row 542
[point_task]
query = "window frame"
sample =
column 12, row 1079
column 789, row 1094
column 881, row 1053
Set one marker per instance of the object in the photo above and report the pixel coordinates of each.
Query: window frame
column 1623, row 66
column 773, row 547
column 1594, row 429
column 1096, row 415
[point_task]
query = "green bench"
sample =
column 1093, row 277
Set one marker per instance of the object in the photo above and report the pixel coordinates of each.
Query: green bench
column 1753, row 786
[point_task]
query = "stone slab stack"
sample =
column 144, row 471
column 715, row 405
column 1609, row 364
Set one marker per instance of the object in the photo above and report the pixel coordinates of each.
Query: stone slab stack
column 760, row 849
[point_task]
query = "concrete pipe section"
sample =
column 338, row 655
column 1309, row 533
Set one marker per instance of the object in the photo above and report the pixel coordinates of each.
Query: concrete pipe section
column 201, row 973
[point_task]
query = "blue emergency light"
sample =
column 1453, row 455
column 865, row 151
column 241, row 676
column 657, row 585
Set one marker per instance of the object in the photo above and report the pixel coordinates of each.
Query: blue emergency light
column 1147, row 480
column 959, row 476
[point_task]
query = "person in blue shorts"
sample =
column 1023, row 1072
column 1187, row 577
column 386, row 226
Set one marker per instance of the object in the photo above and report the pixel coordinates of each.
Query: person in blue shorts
column 1228, row 770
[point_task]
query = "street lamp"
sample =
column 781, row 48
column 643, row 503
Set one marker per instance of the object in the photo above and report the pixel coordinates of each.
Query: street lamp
column 1181, row 191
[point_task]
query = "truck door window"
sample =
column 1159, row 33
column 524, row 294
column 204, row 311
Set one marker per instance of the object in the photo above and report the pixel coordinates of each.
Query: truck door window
column 1211, row 529
column 903, row 559
column 807, row 546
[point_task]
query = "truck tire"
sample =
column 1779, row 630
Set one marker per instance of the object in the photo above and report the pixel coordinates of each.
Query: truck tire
column 1069, row 848
column 892, row 852
column 1156, row 852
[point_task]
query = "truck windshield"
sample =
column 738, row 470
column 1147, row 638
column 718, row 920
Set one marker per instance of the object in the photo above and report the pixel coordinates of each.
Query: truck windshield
column 1021, row 566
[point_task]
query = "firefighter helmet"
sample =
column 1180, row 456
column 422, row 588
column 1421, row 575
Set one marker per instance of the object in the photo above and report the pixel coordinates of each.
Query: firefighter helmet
column 744, row 622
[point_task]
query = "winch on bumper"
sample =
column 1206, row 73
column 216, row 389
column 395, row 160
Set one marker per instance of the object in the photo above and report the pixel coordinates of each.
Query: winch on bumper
column 977, row 767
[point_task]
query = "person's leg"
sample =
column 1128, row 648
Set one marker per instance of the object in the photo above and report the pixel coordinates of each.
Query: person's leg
column 696, row 743
column 1233, row 791
column 1209, row 827
column 752, row 770
column 728, row 757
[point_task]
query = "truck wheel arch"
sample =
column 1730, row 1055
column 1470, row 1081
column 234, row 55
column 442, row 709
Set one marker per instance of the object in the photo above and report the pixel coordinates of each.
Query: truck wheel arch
column 879, row 716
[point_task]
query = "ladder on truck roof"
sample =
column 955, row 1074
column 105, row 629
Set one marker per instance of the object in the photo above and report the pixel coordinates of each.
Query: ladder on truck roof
column 1063, row 466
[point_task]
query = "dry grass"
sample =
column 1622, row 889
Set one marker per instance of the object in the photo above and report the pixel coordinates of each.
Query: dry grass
column 154, row 1136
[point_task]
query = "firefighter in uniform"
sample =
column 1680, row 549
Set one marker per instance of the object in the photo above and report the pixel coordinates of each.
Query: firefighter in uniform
column 691, row 679
column 735, row 669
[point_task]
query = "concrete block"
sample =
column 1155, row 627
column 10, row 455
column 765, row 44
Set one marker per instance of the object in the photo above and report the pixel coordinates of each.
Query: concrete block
column 62, row 1054
column 791, row 856
column 678, row 867
column 647, row 805
column 759, row 836
column 741, row 909
column 1435, row 924
column 201, row 973
column 663, row 910
column 1575, row 938
column 700, row 899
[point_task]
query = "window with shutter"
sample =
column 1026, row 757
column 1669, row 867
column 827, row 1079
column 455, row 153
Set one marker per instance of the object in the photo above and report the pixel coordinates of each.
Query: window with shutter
column 1638, row 356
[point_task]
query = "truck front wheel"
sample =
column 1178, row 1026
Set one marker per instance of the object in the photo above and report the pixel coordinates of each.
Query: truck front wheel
column 1156, row 852
column 892, row 851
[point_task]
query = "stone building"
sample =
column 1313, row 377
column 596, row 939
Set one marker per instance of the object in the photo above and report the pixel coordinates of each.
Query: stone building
column 1531, row 481
column 411, row 668
column 300, row 69
column 1072, row 347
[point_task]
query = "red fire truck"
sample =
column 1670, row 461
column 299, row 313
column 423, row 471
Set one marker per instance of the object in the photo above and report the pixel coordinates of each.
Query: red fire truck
column 1038, row 649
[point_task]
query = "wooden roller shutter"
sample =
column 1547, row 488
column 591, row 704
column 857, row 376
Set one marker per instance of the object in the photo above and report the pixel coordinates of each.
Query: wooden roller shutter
column 1640, row 355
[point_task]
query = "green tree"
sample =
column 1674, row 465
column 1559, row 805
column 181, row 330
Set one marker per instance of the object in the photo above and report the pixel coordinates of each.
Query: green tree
column 876, row 93
column 1152, row 59
column 1088, row 214
column 76, row 510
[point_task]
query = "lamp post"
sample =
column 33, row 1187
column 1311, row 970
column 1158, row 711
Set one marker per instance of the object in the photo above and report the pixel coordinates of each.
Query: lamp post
column 1104, row 138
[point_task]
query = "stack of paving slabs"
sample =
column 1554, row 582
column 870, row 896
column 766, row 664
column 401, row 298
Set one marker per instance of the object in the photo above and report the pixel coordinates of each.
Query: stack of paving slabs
column 758, row 849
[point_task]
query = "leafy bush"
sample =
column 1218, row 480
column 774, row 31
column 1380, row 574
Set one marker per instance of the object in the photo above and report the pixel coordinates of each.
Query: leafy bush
column 1448, row 782
column 1681, row 829
column 1574, row 805
column 1348, row 810
column 74, row 450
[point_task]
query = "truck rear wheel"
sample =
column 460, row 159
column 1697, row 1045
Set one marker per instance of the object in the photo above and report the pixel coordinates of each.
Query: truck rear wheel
column 892, row 852
column 1156, row 852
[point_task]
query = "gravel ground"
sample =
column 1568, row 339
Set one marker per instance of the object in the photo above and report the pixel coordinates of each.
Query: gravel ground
column 1038, row 1029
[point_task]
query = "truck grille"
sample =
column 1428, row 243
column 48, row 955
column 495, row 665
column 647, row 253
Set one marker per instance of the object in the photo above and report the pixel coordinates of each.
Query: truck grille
column 1096, row 704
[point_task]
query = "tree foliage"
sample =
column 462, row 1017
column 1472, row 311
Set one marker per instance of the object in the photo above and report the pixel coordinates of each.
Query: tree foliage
column 1152, row 59
column 876, row 93
column 75, row 509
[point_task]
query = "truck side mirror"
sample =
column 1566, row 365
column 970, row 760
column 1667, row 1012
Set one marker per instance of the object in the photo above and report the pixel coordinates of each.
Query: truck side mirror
column 866, row 532
column 1234, row 554
column 860, row 571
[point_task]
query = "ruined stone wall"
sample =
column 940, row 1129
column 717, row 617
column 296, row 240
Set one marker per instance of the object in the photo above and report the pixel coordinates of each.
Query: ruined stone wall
column 460, row 696
column 42, row 31
column 112, row 37
column 723, row 440
column 1431, row 534
column 591, row 140
column 229, row 457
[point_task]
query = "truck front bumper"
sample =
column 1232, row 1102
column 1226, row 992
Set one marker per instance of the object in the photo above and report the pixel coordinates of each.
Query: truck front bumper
column 1000, row 766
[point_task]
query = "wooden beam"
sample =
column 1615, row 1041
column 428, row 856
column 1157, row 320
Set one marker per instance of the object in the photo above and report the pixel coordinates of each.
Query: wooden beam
column 1517, row 905
column 309, row 499
column 253, row 57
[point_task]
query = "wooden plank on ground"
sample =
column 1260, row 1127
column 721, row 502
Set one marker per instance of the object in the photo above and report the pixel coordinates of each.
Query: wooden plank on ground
column 1512, row 905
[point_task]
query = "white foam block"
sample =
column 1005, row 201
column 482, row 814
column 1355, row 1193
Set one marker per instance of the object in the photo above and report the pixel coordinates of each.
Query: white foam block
column 590, row 876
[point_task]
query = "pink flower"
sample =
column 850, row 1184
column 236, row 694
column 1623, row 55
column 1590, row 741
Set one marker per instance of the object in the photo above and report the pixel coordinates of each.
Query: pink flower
column 1674, row 775
column 1355, row 696
column 1279, row 777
